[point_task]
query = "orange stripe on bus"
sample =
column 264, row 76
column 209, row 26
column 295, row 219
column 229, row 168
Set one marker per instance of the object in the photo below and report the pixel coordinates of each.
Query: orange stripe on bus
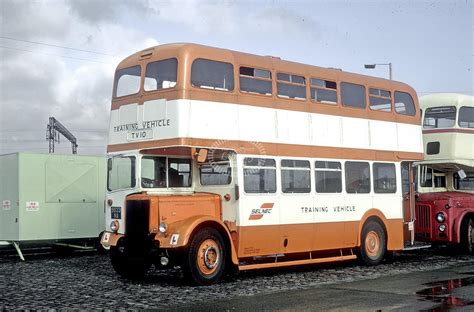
column 274, row 149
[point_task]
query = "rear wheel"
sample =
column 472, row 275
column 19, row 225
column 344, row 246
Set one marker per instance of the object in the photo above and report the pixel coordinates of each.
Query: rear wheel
column 373, row 243
column 205, row 260
column 131, row 265
column 467, row 236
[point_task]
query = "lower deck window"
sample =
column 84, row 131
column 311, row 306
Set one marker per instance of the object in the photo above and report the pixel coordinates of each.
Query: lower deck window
column 328, row 177
column 259, row 175
column 357, row 177
column 384, row 178
column 295, row 176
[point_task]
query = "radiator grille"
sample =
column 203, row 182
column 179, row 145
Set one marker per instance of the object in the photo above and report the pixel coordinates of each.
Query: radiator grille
column 136, row 222
column 423, row 220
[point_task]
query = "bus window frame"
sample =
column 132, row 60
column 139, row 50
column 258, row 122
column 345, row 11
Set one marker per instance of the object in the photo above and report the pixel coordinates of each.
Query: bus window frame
column 392, row 108
column 140, row 87
column 257, row 78
column 284, row 97
column 277, row 178
column 163, row 89
column 338, row 96
column 458, row 114
column 230, row 91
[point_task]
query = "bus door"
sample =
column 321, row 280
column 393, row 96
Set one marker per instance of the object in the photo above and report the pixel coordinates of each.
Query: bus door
column 408, row 193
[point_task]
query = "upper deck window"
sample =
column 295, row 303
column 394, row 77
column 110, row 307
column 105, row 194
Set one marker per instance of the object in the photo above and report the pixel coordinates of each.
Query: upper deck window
column 380, row 100
column 127, row 81
column 214, row 75
column 161, row 75
column 324, row 91
column 291, row 86
column 353, row 95
column 255, row 80
column 466, row 117
column 404, row 104
column 440, row 117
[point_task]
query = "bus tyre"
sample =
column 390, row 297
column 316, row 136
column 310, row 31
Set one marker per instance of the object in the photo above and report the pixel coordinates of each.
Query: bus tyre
column 206, row 256
column 373, row 243
column 128, row 266
column 467, row 236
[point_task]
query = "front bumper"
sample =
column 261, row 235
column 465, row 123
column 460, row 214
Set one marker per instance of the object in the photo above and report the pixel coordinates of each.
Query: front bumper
column 109, row 239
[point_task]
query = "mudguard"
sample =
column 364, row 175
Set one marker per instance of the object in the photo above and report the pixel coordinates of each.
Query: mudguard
column 179, row 233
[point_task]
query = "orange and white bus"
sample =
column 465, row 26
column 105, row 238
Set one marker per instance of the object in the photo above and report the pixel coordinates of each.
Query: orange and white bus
column 221, row 160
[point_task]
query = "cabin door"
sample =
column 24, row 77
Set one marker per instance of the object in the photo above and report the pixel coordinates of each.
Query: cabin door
column 408, row 192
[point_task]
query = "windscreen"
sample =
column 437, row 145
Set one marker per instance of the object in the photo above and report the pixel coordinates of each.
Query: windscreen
column 120, row 173
column 127, row 81
column 440, row 117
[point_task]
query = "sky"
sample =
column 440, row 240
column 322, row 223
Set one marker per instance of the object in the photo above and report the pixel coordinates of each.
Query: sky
column 57, row 57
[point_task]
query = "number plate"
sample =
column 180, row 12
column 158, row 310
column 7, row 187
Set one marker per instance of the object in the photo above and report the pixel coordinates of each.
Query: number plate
column 115, row 213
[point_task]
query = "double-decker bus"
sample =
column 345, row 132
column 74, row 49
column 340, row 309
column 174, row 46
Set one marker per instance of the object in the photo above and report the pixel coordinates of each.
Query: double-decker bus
column 221, row 160
column 445, row 203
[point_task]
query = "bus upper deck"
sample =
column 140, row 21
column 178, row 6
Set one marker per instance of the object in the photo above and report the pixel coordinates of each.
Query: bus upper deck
column 164, row 95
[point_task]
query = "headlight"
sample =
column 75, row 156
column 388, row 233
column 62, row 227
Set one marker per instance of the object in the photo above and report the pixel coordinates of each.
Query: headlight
column 442, row 227
column 114, row 226
column 440, row 217
column 163, row 227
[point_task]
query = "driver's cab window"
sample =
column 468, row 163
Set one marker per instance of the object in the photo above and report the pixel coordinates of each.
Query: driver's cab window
column 179, row 172
column 217, row 171
column 162, row 172
column 432, row 178
column 153, row 172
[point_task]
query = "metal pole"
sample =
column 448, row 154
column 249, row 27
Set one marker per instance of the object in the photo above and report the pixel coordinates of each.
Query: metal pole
column 390, row 70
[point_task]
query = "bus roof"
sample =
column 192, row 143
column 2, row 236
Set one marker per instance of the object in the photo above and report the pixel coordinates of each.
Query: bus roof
column 444, row 99
column 192, row 50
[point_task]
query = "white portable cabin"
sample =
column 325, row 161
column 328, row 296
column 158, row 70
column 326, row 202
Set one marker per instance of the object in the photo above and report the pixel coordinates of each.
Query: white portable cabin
column 50, row 198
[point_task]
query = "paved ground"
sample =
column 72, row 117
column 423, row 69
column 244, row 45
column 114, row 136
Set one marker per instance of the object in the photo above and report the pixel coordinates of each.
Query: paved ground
column 87, row 281
column 448, row 289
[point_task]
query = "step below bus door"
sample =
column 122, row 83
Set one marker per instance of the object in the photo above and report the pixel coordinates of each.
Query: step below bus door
column 408, row 192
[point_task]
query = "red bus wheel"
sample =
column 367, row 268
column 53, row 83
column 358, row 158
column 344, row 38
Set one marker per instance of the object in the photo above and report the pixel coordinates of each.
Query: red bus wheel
column 467, row 236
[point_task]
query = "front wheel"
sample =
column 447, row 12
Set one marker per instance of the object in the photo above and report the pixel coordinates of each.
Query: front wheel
column 467, row 236
column 205, row 260
column 373, row 243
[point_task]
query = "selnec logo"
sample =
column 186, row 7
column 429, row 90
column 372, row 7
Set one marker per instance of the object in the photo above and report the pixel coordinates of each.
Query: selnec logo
column 257, row 213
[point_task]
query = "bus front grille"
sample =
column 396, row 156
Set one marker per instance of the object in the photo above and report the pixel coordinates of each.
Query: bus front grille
column 423, row 221
column 136, row 221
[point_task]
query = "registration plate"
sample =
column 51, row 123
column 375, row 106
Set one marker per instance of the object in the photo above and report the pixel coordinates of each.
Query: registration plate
column 115, row 212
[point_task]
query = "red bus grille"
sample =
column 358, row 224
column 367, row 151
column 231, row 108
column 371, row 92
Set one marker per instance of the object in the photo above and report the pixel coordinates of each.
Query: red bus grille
column 423, row 220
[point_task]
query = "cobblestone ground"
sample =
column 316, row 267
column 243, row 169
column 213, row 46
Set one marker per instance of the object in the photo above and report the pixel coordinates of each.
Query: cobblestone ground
column 87, row 281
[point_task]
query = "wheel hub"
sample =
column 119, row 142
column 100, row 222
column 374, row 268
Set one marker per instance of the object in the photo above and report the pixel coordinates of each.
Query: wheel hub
column 372, row 243
column 208, row 257
column 211, row 257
